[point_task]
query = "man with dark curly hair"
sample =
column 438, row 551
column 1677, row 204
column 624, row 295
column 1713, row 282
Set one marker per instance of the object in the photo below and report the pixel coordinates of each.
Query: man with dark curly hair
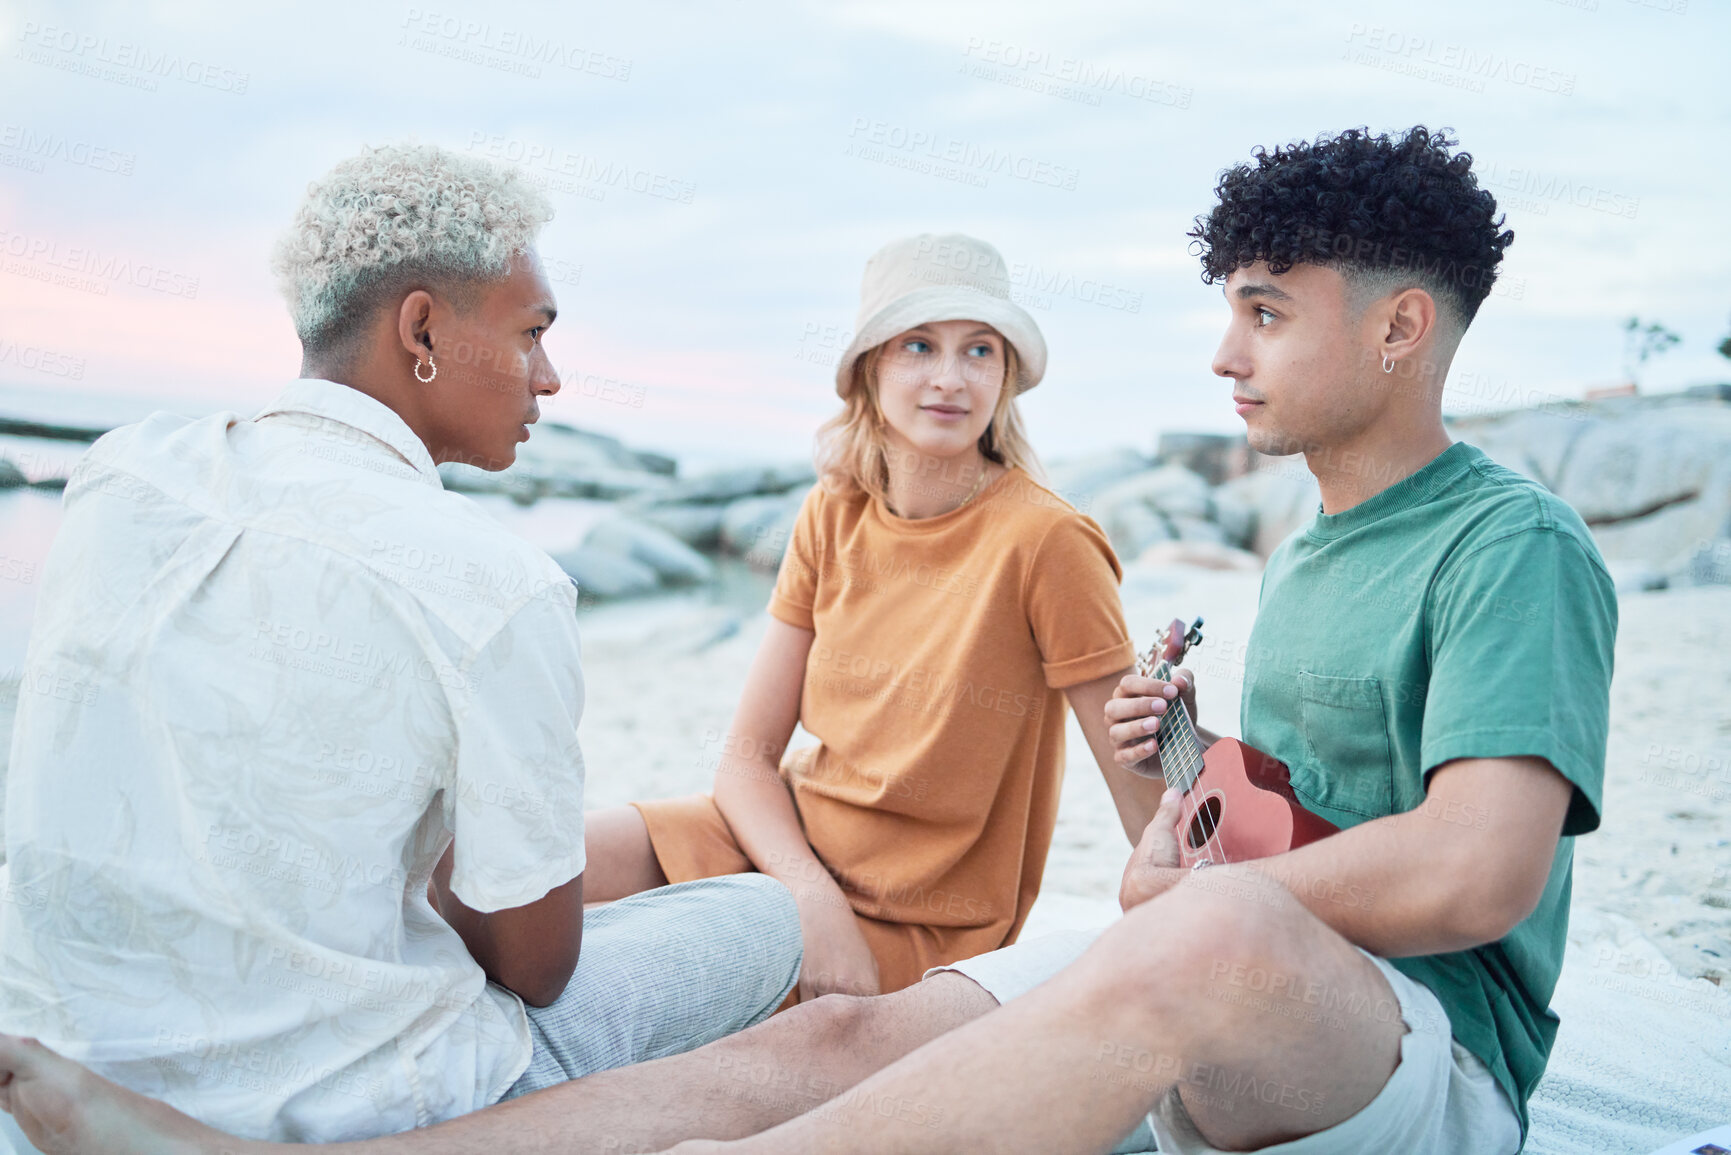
column 1431, row 659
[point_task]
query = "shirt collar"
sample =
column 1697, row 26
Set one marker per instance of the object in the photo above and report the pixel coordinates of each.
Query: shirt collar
column 349, row 406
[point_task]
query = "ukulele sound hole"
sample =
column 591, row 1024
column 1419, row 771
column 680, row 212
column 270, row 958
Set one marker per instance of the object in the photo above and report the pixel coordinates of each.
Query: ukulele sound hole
column 1204, row 823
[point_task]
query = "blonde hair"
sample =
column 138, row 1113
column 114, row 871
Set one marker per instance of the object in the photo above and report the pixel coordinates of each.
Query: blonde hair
column 852, row 456
column 388, row 217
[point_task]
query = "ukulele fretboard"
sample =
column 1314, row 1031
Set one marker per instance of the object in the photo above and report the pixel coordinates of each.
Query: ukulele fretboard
column 1180, row 749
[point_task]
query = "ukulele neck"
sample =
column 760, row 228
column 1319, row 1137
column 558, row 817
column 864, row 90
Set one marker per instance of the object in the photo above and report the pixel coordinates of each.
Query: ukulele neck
column 1180, row 748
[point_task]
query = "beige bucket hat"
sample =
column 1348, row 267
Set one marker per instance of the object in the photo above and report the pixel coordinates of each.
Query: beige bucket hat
column 940, row 277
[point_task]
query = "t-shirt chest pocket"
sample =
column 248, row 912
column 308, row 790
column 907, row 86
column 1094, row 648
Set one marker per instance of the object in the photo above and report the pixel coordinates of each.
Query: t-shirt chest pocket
column 1345, row 731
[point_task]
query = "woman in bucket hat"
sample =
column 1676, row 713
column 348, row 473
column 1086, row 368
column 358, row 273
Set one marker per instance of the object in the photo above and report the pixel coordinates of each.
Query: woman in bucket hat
column 935, row 607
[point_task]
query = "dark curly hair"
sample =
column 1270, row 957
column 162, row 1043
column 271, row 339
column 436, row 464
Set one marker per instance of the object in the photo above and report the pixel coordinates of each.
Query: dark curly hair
column 1379, row 208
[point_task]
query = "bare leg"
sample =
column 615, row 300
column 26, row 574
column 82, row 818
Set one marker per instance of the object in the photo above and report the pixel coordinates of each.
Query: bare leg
column 733, row 1087
column 621, row 858
column 1073, row 1065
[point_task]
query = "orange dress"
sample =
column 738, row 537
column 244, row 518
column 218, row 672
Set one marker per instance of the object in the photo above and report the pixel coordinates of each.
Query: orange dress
column 935, row 687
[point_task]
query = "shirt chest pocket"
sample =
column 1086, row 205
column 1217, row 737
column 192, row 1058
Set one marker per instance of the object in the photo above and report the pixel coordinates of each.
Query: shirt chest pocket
column 1346, row 738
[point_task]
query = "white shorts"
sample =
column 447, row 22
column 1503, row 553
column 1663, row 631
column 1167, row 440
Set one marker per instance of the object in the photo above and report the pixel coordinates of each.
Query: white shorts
column 1441, row 1100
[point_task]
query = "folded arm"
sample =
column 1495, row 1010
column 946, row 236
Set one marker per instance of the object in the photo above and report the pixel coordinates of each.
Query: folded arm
column 530, row 949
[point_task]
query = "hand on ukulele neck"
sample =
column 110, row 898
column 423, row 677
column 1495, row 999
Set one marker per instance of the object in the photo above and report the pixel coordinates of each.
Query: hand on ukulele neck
column 1152, row 695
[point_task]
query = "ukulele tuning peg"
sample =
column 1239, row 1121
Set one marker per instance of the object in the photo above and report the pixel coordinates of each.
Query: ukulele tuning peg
column 1193, row 636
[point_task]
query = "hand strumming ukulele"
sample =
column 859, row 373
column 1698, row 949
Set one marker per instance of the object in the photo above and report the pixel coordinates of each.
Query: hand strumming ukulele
column 1238, row 802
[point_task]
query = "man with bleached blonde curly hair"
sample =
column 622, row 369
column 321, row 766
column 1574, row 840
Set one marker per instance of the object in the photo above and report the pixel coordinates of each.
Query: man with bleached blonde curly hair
column 302, row 796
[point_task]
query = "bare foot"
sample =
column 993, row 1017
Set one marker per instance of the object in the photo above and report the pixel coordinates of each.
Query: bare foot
column 66, row 1109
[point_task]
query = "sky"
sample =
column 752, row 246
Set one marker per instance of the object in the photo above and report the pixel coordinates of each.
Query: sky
column 722, row 170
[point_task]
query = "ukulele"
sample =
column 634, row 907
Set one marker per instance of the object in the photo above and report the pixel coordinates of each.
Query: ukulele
column 1238, row 802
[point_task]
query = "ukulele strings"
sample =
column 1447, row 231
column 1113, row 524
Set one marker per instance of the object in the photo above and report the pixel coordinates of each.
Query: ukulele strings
column 1186, row 743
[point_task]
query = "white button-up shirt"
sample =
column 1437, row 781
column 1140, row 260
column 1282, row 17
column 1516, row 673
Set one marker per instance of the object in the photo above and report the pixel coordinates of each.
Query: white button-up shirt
column 275, row 668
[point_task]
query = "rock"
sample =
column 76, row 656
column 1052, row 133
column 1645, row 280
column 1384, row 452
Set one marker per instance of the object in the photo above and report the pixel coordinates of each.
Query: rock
column 11, row 476
column 1648, row 475
column 1651, row 476
column 1635, row 577
column 1133, row 527
column 728, row 485
column 1536, row 443
column 1171, row 489
column 1203, row 554
column 1079, row 479
column 529, row 481
column 559, row 461
column 1284, row 495
column 673, row 561
column 1709, row 566
column 602, row 574
column 1235, row 516
column 1629, row 468
column 758, row 528
column 698, row 526
column 1215, row 457
column 1197, row 529
column 554, row 441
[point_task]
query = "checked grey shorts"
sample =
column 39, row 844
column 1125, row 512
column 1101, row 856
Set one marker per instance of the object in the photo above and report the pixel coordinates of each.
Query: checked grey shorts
column 666, row 971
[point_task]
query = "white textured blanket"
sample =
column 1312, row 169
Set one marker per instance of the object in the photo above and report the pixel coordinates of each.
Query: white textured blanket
column 1643, row 1057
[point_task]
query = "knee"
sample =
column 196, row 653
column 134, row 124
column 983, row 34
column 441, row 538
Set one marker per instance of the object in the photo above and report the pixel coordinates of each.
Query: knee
column 835, row 1024
column 764, row 906
column 1223, row 917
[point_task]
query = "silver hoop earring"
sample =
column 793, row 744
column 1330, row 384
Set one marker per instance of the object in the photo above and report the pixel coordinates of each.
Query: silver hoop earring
column 1387, row 363
column 428, row 379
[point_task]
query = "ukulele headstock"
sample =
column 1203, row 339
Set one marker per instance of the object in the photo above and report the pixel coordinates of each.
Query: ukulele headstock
column 1178, row 641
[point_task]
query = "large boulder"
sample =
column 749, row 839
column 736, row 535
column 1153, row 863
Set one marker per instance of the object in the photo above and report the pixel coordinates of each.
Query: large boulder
column 1171, row 489
column 1215, row 457
column 1284, row 495
column 1235, row 516
column 1133, row 527
column 600, row 573
column 1709, row 566
column 673, row 561
column 1650, row 476
column 559, row 461
column 758, row 528
column 1079, row 480
column 1197, row 529
column 727, row 485
column 698, row 526
column 10, row 475
column 1536, row 443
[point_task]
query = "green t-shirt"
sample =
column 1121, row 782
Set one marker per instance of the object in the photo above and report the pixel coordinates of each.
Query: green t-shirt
column 1463, row 612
